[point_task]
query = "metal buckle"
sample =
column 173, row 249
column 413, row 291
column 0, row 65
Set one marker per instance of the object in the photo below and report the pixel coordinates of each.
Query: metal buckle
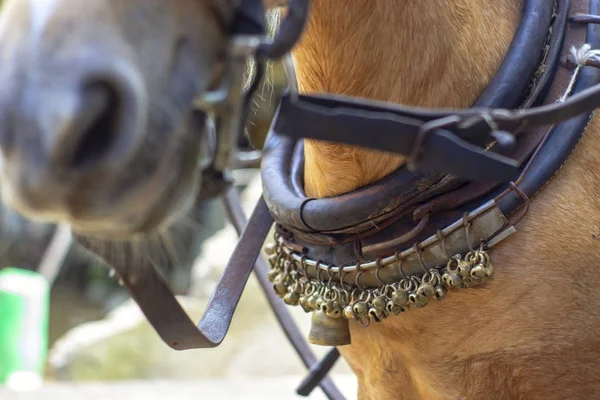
column 227, row 102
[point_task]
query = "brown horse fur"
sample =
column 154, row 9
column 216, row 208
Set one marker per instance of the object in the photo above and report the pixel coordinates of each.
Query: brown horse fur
column 532, row 333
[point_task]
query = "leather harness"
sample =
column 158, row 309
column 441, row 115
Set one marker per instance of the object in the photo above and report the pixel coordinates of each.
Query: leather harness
column 469, row 180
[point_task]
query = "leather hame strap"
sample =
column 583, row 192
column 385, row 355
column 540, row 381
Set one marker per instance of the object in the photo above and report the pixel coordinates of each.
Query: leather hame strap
column 151, row 292
column 450, row 144
column 449, row 141
column 345, row 121
column 249, row 18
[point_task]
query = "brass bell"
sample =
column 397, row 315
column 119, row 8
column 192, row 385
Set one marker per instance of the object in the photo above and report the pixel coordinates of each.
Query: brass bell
column 418, row 301
column 400, row 297
column 272, row 275
column 280, row 287
column 303, row 301
column 311, row 302
column 379, row 304
column 464, row 268
column 271, row 248
column 291, row 298
column 489, row 268
column 361, row 309
column 326, row 331
column 440, row 292
column 394, row 308
column 426, row 290
column 452, row 279
column 478, row 271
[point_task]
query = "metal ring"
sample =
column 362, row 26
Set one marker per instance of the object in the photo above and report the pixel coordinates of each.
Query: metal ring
column 379, row 268
column 411, row 283
column 583, row 18
column 288, row 258
column 280, row 257
column 303, row 266
column 318, row 268
column 290, row 71
column 419, row 252
column 360, row 319
column 329, row 267
column 442, row 240
column 401, row 266
column 467, row 226
column 427, row 129
column 357, row 278
column 489, row 120
column 342, row 276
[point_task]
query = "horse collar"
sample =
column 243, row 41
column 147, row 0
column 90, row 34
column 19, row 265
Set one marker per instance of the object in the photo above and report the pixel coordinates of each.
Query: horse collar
column 392, row 246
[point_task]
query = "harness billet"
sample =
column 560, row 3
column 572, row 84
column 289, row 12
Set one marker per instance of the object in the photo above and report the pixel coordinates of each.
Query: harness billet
column 480, row 167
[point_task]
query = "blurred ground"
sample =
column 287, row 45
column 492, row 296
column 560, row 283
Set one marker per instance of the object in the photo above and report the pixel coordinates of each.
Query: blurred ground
column 231, row 389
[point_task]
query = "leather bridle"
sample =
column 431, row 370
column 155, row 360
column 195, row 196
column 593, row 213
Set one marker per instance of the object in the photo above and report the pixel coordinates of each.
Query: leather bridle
column 229, row 105
column 497, row 154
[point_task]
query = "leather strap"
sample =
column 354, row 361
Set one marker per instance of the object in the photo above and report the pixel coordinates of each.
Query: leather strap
column 290, row 30
column 346, row 121
column 564, row 137
column 317, row 370
column 506, row 88
column 249, row 18
column 150, row 291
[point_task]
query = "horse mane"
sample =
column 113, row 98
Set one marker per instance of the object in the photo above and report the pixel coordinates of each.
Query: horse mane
column 273, row 17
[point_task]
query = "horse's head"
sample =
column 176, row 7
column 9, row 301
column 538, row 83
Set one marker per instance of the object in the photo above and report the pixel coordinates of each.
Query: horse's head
column 96, row 121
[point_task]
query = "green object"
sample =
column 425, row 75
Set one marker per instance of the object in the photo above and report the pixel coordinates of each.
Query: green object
column 24, row 311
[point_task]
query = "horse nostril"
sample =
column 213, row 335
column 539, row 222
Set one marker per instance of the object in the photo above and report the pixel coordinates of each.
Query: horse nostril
column 96, row 124
column 97, row 121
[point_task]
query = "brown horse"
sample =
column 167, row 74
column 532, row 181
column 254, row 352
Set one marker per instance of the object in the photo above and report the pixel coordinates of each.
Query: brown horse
column 95, row 130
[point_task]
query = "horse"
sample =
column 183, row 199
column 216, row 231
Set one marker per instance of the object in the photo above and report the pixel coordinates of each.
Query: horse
column 97, row 130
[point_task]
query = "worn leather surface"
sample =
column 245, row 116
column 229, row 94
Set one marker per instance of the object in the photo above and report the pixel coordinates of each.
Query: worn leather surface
column 562, row 139
column 347, row 213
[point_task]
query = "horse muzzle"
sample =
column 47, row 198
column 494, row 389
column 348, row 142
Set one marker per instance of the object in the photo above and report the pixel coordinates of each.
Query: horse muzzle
column 65, row 138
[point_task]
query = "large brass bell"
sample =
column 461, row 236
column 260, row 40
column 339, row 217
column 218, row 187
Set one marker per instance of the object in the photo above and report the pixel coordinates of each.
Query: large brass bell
column 327, row 331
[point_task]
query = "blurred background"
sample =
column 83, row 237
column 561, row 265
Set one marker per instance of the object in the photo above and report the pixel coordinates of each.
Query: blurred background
column 101, row 347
